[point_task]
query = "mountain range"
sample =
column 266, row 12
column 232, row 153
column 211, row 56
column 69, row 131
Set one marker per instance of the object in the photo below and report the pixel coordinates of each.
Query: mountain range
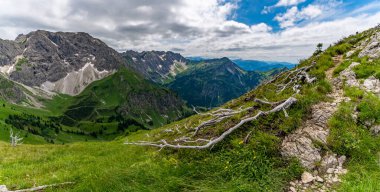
column 315, row 127
column 200, row 82
column 84, row 85
column 255, row 65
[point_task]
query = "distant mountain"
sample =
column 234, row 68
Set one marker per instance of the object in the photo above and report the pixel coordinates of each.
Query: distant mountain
column 80, row 80
column 158, row 66
column 127, row 95
column 213, row 82
column 60, row 62
column 255, row 65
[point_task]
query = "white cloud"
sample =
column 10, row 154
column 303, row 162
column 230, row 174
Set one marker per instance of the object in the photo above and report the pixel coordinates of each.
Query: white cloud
column 286, row 3
column 200, row 28
column 311, row 11
column 289, row 18
column 319, row 9
column 260, row 28
column 281, row 3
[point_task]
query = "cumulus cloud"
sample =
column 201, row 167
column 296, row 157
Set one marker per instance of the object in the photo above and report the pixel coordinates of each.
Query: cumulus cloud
column 293, row 15
column 281, row 3
column 321, row 8
column 284, row 3
column 191, row 27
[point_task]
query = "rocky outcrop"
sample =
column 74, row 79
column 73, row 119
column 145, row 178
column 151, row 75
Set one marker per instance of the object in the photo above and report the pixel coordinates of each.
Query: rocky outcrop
column 42, row 57
column 321, row 180
column 372, row 84
column 348, row 76
column 306, row 143
column 371, row 47
column 302, row 143
column 158, row 66
column 76, row 81
column 8, row 52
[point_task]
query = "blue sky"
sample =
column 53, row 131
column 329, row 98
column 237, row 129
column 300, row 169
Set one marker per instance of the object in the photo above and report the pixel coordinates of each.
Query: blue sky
column 272, row 30
column 250, row 12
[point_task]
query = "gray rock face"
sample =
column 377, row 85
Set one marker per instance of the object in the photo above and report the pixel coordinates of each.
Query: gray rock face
column 8, row 51
column 43, row 56
column 11, row 92
column 301, row 143
column 349, row 76
column 372, row 84
column 371, row 47
column 158, row 66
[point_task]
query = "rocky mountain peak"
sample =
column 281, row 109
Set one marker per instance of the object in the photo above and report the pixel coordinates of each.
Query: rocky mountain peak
column 42, row 57
column 158, row 66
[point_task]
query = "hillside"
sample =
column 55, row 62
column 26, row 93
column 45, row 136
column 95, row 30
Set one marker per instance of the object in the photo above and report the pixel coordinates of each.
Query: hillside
column 210, row 83
column 64, row 87
column 125, row 95
column 333, row 94
column 204, row 83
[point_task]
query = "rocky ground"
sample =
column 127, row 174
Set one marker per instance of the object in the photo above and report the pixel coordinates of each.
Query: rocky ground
column 324, row 169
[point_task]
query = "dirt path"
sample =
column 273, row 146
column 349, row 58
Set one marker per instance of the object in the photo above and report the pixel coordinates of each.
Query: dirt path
column 304, row 143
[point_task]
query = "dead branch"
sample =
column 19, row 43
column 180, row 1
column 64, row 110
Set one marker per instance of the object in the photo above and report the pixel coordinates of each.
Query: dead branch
column 292, row 78
column 39, row 188
column 246, row 138
column 208, row 123
column 15, row 139
column 163, row 143
column 267, row 102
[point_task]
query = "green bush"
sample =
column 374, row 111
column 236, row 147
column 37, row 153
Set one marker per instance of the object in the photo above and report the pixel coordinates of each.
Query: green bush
column 367, row 69
column 339, row 49
column 354, row 93
column 369, row 108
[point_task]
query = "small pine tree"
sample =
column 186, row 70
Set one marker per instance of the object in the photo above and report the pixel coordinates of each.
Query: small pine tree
column 318, row 49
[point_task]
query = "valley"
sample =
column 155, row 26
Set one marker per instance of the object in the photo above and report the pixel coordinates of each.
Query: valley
column 77, row 115
column 84, row 90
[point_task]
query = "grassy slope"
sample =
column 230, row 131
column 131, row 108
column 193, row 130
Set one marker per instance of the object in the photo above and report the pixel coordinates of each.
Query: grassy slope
column 229, row 166
column 352, row 138
column 108, row 96
column 102, row 99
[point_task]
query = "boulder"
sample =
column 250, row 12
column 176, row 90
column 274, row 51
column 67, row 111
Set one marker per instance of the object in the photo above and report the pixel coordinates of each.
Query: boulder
column 307, row 177
column 328, row 162
column 372, row 84
column 341, row 160
column 375, row 130
column 302, row 148
column 3, row 188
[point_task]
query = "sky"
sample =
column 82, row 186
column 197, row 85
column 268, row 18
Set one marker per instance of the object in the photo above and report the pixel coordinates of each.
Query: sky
column 271, row 30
